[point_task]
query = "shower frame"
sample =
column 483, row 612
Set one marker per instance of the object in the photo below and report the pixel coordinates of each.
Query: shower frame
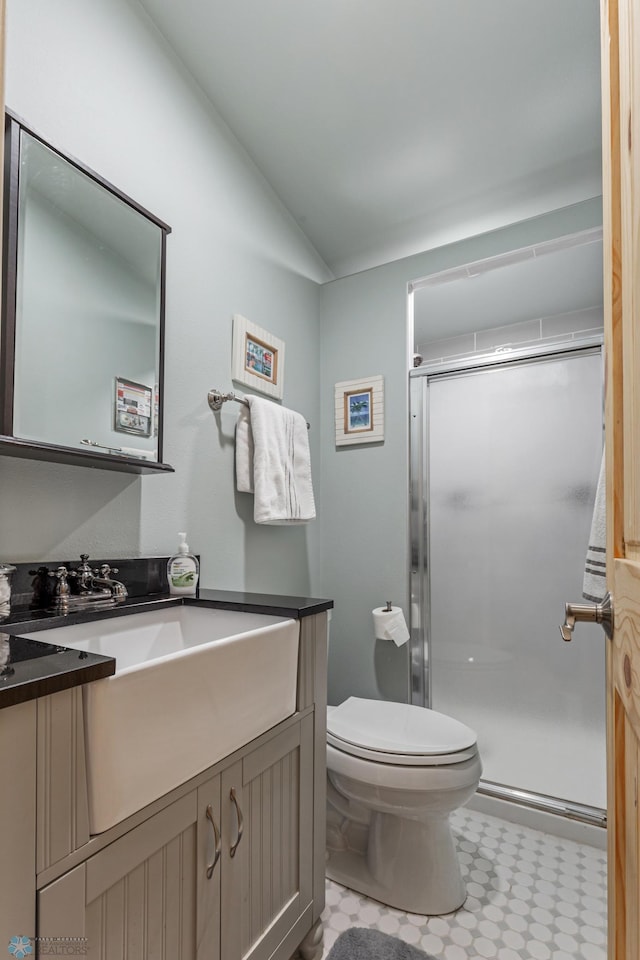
column 420, row 680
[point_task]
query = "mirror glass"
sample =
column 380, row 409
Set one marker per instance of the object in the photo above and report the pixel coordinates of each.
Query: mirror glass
column 88, row 311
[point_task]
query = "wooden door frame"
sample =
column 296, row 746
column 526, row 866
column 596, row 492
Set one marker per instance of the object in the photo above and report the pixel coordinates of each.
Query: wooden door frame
column 620, row 56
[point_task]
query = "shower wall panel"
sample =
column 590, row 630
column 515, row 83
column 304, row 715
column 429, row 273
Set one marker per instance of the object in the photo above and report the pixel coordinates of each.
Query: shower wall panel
column 513, row 459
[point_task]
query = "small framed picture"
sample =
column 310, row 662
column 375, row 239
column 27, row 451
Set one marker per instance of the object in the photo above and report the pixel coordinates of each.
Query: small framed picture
column 359, row 411
column 133, row 407
column 258, row 358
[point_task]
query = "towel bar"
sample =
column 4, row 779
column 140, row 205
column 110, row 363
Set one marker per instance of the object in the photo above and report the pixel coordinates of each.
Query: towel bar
column 216, row 398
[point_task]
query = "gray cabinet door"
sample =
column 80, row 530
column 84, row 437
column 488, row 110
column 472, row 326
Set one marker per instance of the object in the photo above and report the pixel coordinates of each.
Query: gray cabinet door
column 142, row 896
column 267, row 814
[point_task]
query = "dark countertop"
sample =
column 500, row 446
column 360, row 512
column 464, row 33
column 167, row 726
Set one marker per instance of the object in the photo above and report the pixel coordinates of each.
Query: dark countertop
column 278, row 606
column 34, row 668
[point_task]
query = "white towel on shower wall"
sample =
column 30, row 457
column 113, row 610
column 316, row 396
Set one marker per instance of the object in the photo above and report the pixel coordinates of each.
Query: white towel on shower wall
column 594, row 585
column 273, row 461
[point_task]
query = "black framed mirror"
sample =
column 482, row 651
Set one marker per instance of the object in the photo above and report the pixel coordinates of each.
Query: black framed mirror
column 83, row 304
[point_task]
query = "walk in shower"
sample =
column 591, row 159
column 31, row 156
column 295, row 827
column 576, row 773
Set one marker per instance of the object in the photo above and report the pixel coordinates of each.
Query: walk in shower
column 506, row 449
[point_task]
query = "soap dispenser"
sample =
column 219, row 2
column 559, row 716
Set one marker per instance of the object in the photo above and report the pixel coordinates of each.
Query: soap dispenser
column 183, row 570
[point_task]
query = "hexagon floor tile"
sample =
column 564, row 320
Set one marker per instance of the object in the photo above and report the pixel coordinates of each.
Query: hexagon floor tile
column 531, row 896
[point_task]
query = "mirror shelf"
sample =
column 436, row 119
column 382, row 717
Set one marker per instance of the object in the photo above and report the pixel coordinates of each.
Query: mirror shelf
column 52, row 453
column 83, row 305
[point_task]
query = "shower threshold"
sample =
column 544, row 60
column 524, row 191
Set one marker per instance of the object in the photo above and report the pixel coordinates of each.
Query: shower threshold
column 580, row 812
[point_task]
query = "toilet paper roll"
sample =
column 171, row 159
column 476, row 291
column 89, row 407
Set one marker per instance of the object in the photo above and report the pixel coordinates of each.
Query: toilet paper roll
column 390, row 625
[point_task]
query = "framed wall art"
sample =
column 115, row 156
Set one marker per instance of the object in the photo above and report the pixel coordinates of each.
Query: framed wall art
column 359, row 411
column 258, row 358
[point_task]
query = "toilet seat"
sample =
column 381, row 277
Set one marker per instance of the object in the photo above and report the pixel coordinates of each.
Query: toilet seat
column 398, row 733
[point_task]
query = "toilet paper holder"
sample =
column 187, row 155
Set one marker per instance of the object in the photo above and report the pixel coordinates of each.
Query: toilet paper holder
column 389, row 624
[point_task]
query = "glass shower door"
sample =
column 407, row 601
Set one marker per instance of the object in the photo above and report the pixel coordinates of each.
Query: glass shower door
column 513, row 458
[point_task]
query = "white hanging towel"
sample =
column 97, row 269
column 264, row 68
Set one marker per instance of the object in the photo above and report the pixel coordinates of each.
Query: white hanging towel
column 244, row 452
column 594, row 585
column 273, row 462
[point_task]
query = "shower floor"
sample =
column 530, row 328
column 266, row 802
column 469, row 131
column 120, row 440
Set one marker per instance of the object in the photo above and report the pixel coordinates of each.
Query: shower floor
column 536, row 753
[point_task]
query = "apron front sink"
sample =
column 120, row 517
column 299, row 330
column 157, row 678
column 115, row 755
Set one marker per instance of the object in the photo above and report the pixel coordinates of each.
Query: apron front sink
column 192, row 684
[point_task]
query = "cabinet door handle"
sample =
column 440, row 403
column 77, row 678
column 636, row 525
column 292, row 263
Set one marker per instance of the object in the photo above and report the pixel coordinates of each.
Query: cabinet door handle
column 216, row 837
column 234, row 800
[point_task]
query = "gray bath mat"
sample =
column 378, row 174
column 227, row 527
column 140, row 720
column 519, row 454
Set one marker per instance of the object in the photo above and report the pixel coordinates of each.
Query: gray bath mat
column 359, row 943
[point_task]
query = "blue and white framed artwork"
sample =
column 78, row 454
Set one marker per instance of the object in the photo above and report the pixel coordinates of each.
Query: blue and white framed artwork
column 359, row 411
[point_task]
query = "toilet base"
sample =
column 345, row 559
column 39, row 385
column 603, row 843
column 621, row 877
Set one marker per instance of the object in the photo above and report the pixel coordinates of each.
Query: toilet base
column 407, row 864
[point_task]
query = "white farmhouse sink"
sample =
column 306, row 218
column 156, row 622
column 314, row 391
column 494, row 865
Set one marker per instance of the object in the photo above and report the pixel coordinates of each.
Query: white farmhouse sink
column 192, row 684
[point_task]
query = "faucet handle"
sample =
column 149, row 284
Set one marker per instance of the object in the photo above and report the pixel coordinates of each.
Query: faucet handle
column 105, row 570
column 62, row 587
column 83, row 573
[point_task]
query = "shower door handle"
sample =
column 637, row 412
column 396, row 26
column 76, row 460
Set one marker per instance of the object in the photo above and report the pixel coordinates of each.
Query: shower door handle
column 589, row 613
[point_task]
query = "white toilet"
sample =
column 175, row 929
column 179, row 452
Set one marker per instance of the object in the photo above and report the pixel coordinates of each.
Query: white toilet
column 395, row 773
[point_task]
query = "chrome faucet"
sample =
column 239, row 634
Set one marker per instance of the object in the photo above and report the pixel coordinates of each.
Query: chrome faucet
column 83, row 574
column 118, row 589
column 93, row 588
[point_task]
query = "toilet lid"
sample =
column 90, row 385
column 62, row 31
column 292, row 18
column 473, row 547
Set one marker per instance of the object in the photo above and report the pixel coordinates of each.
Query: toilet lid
column 397, row 728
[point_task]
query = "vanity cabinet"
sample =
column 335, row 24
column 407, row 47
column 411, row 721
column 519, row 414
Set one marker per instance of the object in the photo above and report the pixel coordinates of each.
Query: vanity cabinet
column 229, row 866
column 17, row 820
column 161, row 891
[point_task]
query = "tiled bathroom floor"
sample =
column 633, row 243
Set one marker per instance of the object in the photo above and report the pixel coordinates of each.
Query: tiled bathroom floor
column 531, row 896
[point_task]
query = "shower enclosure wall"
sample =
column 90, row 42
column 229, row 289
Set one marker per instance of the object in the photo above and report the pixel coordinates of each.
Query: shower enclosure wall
column 505, row 454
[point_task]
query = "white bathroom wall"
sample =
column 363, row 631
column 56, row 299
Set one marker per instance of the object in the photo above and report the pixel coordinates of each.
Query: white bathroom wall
column 97, row 81
column 365, row 543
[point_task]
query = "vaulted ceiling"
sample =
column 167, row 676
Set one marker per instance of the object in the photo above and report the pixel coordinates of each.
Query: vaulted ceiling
column 387, row 127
